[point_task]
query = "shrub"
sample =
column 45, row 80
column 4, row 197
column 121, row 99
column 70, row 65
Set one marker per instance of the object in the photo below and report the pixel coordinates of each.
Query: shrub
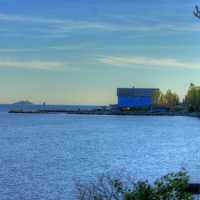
column 173, row 186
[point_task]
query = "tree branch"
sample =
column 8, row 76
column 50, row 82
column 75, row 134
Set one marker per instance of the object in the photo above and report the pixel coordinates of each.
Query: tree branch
column 196, row 12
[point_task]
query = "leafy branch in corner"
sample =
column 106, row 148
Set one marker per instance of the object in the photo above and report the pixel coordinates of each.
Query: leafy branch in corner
column 196, row 12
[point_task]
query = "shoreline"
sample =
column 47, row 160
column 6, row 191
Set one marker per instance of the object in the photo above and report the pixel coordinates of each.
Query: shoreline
column 105, row 112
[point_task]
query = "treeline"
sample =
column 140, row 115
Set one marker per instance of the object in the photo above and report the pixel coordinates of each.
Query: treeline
column 170, row 99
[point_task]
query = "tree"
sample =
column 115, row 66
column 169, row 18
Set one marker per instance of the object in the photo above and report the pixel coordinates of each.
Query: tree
column 159, row 99
column 192, row 98
column 169, row 99
column 156, row 97
column 172, row 99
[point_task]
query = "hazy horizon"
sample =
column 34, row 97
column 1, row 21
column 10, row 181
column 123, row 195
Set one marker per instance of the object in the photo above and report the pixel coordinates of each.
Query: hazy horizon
column 66, row 52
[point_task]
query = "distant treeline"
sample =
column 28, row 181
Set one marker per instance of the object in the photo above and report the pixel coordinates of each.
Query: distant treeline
column 171, row 99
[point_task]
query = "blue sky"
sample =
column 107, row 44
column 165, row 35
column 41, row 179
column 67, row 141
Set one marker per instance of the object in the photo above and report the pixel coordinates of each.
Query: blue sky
column 79, row 52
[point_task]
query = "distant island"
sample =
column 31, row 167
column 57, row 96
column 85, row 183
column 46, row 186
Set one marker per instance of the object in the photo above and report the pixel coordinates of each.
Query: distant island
column 24, row 102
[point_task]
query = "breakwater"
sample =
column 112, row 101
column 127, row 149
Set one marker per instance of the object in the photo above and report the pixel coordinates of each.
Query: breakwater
column 105, row 112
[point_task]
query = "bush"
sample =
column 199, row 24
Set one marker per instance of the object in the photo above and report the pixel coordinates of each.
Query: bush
column 173, row 186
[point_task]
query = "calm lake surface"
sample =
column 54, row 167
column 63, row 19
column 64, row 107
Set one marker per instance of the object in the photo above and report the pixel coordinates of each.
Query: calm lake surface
column 40, row 155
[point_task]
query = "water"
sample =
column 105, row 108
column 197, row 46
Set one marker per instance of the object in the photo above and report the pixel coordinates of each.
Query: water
column 40, row 155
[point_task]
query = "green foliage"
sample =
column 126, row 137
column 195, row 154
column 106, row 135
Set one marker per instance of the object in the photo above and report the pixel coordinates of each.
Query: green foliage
column 172, row 99
column 170, row 187
column 169, row 99
column 141, row 191
column 156, row 97
column 192, row 98
column 173, row 186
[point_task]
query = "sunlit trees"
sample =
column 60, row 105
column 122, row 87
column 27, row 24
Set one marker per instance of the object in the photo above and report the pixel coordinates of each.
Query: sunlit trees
column 169, row 99
column 156, row 97
column 159, row 99
column 172, row 99
column 192, row 98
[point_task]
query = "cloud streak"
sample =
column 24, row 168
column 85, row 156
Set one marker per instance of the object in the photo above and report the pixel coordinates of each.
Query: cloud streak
column 157, row 63
column 37, row 65
column 40, row 49
column 26, row 19
column 63, row 26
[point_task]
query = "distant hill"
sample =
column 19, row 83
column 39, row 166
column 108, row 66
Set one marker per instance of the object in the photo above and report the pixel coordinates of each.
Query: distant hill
column 23, row 103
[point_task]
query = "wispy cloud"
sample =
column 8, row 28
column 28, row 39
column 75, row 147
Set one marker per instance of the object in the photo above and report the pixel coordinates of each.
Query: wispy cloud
column 40, row 49
column 60, row 23
column 38, row 27
column 58, row 27
column 18, row 50
column 50, row 27
column 30, row 64
column 157, row 63
column 26, row 19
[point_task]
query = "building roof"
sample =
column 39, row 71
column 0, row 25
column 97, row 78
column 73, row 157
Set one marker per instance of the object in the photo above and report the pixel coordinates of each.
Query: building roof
column 136, row 91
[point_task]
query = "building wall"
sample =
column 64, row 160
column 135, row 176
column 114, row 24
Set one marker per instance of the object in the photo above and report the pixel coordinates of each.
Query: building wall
column 134, row 102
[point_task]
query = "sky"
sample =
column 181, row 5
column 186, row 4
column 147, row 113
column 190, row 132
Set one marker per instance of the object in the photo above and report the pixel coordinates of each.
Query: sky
column 80, row 51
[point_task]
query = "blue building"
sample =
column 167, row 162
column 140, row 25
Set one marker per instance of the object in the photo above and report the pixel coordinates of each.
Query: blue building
column 137, row 98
